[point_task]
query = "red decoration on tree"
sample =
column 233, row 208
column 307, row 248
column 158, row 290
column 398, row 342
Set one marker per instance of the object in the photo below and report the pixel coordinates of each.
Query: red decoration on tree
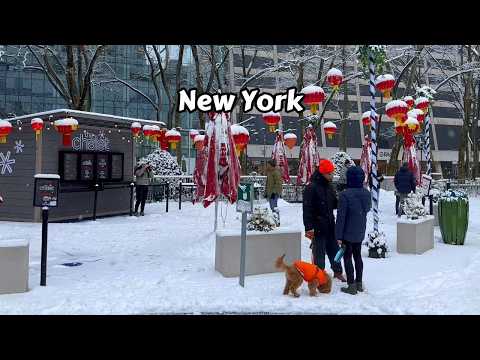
column 280, row 156
column 271, row 119
column 422, row 104
column 334, row 78
column 37, row 126
column 66, row 127
column 290, row 140
column 5, row 130
column 366, row 118
column 417, row 114
column 173, row 138
column 192, row 133
column 330, row 129
column 385, row 84
column 309, row 157
column 397, row 109
column 313, row 96
column 241, row 137
column 409, row 101
column 198, row 141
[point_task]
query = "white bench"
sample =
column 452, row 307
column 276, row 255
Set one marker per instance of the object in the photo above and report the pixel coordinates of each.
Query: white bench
column 14, row 261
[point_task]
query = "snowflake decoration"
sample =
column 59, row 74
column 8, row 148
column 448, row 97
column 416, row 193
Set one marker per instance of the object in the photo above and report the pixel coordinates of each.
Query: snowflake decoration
column 5, row 163
column 19, row 147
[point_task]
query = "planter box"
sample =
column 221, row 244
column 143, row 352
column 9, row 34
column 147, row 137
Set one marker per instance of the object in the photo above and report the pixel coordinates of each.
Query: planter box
column 414, row 236
column 372, row 253
column 261, row 251
column 14, row 261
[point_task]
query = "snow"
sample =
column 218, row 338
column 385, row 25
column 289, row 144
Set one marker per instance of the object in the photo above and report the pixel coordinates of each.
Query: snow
column 66, row 122
column 164, row 263
column 405, row 220
column 172, row 133
column 13, row 243
column 384, row 78
column 311, row 89
column 412, row 121
column 198, row 138
column 421, row 100
column 396, row 103
column 414, row 113
column 36, row 121
column 136, row 125
column 239, row 129
column 290, row 136
column 329, row 125
column 4, row 123
column 47, row 176
column 334, row 72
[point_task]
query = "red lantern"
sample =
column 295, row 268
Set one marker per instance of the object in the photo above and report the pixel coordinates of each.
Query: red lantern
column 198, row 142
column 412, row 126
column 147, row 131
column 173, row 137
column 399, row 127
column 290, row 140
column 192, row 133
column 313, row 96
column 241, row 137
column 271, row 120
column 163, row 140
column 417, row 114
column 397, row 109
column 5, row 130
column 366, row 120
column 136, row 128
column 155, row 133
column 37, row 126
column 334, row 78
column 330, row 129
column 66, row 127
column 410, row 102
column 422, row 104
column 385, row 84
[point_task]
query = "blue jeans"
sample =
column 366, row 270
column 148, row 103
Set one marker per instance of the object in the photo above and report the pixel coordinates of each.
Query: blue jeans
column 273, row 201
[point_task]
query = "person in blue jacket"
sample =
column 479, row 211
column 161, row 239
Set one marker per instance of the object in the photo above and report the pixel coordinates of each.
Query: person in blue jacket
column 353, row 205
column 405, row 183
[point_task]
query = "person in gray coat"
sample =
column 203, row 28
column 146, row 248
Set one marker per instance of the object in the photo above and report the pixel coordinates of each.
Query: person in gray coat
column 143, row 176
column 353, row 205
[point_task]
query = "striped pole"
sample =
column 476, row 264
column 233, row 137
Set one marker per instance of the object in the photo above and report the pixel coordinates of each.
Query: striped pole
column 427, row 145
column 373, row 139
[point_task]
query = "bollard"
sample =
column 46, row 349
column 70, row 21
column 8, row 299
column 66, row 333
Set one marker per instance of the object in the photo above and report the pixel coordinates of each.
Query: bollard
column 132, row 185
column 95, row 203
column 180, row 197
column 43, row 261
column 167, row 185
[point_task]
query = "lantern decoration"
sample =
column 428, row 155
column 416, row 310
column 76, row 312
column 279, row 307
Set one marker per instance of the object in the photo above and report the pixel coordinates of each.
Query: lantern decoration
column 162, row 139
column 334, row 78
column 279, row 155
column 313, row 96
column 412, row 126
column 173, row 137
column 309, row 156
column 417, row 114
column 366, row 120
column 198, row 142
column 397, row 109
column 399, row 128
column 410, row 102
column 385, row 84
column 192, row 133
column 66, row 127
column 330, row 129
column 5, row 129
column 136, row 128
column 37, row 126
column 211, row 115
column 155, row 133
column 422, row 103
column 241, row 137
column 271, row 119
column 147, row 131
column 290, row 140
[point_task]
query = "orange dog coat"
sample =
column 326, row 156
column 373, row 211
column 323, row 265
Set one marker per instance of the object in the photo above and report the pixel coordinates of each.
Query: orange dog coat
column 310, row 272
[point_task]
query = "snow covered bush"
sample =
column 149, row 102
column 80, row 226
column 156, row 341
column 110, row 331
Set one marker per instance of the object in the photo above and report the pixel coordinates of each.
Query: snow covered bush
column 425, row 91
column 342, row 162
column 162, row 163
column 413, row 207
column 262, row 219
column 377, row 245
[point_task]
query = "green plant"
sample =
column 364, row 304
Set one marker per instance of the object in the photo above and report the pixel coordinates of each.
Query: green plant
column 379, row 53
column 453, row 208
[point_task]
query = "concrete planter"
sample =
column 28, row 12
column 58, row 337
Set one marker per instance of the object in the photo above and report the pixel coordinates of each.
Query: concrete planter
column 261, row 252
column 414, row 236
column 14, row 261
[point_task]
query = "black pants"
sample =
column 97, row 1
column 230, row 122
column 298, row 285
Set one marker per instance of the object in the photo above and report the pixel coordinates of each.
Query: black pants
column 353, row 250
column 142, row 192
column 322, row 245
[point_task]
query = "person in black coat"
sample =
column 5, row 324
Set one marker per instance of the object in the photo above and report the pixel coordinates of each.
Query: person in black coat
column 319, row 201
column 354, row 203
column 405, row 183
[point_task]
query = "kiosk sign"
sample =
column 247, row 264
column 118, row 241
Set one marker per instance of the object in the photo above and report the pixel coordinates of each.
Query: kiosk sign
column 245, row 198
column 46, row 190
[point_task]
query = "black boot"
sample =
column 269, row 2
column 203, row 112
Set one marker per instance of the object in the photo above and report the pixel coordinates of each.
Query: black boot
column 359, row 287
column 351, row 289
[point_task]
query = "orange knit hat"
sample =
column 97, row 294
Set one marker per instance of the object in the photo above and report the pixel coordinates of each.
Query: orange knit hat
column 326, row 167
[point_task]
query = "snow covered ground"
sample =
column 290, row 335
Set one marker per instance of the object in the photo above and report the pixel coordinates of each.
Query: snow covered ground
column 164, row 263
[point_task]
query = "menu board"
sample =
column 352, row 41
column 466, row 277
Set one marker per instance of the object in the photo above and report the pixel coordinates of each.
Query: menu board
column 70, row 166
column 102, row 166
column 46, row 192
column 117, row 166
column 86, row 167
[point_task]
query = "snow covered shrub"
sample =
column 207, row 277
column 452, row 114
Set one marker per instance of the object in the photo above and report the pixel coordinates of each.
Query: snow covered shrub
column 425, row 91
column 377, row 245
column 262, row 219
column 453, row 211
column 162, row 163
column 342, row 162
column 413, row 207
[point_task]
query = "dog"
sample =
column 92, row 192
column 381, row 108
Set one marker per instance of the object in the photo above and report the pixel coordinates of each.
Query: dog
column 300, row 271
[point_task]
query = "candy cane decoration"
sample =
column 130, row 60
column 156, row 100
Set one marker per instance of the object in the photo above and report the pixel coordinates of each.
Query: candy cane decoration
column 427, row 145
column 373, row 139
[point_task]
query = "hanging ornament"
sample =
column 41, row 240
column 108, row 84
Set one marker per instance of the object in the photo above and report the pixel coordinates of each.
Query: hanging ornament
column 5, row 129
column 412, row 126
column 198, row 142
column 366, row 120
column 385, row 84
column 37, row 126
column 163, row 139
column 334, row 78
column 136, row 128
column 271, row 119
column 192, row 133
column 397, row 109
column 313, row 96
column 330, row 129
column 417, row 114
column 399, row 127
column 66, row 127
column 422, row 104
column 290, row 140
column 410, row 102
column 155, row 133
column 147, row 131
column 211, row 115
column 173, row 138
column 241, row 137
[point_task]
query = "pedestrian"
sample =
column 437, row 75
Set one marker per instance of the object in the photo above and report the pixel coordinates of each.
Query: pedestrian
column 342, row 175
column 405, row 183
column 273, row 187
column 319, row 201
column 353, row 206
column 143, row 176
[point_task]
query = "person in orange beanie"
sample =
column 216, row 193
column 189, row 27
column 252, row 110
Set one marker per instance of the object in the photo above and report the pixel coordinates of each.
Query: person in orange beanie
column 319, row 201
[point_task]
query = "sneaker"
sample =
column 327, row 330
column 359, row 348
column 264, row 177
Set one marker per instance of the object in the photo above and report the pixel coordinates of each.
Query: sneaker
column 339, row 276
column 359, row 286
column 350, row 289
